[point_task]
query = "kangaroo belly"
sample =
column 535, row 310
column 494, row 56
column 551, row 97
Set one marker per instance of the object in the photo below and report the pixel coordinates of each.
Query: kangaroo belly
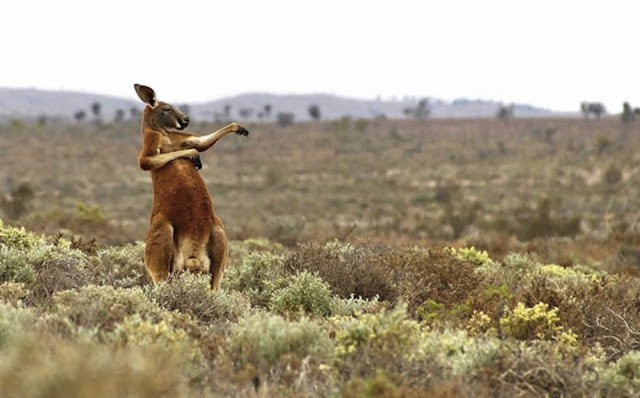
column 182, row 196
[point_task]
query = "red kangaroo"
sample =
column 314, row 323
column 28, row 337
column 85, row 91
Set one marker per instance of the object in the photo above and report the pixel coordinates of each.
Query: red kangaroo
column 184, row 233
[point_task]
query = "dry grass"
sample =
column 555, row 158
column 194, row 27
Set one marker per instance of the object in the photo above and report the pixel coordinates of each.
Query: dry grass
column 396, row 181
column 371, row 302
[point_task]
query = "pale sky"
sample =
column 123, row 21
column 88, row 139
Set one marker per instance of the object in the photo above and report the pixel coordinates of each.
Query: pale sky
column 552, row 54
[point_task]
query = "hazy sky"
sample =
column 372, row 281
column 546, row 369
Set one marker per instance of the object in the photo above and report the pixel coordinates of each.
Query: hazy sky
column 547, row 53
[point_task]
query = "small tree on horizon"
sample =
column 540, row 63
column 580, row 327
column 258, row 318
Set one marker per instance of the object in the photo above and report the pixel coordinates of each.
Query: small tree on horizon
column 314, row 112
column 421, row 111
column 96, row 110
column 627, row 113
column 505, row 112
column 80, row 115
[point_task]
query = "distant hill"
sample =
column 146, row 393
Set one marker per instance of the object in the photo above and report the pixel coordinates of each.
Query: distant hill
column 33, row 103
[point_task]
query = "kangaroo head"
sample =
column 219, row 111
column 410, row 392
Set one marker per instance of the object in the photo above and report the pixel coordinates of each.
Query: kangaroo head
column 160, row 115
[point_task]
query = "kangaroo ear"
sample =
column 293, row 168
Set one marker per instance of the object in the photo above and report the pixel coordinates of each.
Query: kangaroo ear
column 146, row 94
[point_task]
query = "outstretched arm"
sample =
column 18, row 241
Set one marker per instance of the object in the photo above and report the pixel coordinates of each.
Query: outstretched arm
column 204, row 142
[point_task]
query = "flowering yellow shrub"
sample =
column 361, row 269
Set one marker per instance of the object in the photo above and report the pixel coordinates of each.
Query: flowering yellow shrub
column 537, row 322
column 472, row 255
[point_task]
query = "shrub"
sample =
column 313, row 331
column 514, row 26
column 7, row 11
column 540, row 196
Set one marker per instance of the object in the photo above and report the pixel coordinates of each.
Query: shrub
column 262, row 339
column 15, row 266
column 621, row 378
column 120, row 266
column 355, row 305
column 257, row 276
column 247, row 246
column 18, row 238
column 136, row 331
column 538, row 322
column 457, row 353
column 436, row 275
column 14, row 322
column 351, row 271
column 382, row 385
column 385, row 340
column 13, row 292
column 191, row 294
column 38, row 369
column 43, row 267
column 612, row 175
column 58, row 269
column 286, row 229
column 471, row 255
column 520, row 261
column 304, row 292
column 102, row 307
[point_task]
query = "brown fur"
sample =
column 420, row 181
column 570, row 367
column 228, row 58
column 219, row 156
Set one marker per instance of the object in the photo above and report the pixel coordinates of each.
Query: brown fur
column 184, row 233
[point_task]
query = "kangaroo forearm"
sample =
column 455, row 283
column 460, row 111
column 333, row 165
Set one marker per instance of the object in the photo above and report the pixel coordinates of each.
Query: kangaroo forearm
column 204, row 142
column 160, row 160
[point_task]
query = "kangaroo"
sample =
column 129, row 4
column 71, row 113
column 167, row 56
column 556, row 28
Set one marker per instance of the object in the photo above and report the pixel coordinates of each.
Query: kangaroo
column 184, row 232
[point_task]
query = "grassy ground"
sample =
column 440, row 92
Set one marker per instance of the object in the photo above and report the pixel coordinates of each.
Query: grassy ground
column 341, row 280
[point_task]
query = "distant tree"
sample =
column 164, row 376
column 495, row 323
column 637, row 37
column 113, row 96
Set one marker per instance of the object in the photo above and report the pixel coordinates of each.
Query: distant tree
column 314, row 112
column 227, row 111
column 285, row 119
column 80, row 115
column 597, row 108
column 627, row 113
column 267, row 110
column 96, row 110
column 119, row 118
column 505, row 112
column 421, row 111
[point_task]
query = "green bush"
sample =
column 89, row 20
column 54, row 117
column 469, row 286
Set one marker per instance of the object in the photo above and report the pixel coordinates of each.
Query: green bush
column 120, row 266
column 257, row 276
column 44, row 268
column 262, row 339
column 380, row 336
column 304, row 293
column 101, row 308
column 621, row 378
column 192, row 294
column 359, row 271
column 18, row 238
column 286, row 229
column 135, row 331
column 355, row 305
column 16, row 266
column 15, row 321
column 13, row 292
column 456, row 352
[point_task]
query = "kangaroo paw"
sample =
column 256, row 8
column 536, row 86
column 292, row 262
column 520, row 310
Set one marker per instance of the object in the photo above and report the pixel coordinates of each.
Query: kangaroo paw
column 197, row 163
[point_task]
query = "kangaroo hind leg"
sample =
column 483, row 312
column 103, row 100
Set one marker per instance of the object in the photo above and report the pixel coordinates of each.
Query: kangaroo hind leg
column 218, row 253
column 159, row 249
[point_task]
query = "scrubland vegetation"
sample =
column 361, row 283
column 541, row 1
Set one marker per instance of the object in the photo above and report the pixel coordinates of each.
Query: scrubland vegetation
column 380, row 259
